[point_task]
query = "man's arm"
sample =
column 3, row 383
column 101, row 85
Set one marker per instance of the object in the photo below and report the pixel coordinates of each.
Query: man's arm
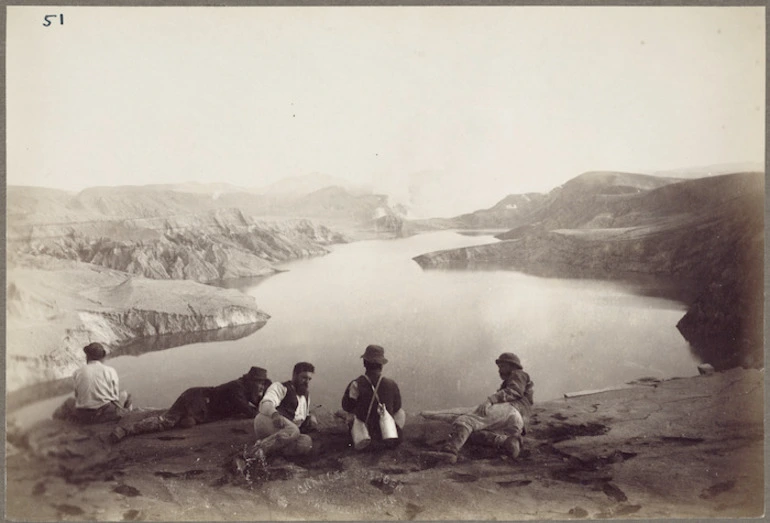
column 114, row 381
column 350, row 398
column 399, row 416
column 514, row 389
column 237, row 397
column 272, row 398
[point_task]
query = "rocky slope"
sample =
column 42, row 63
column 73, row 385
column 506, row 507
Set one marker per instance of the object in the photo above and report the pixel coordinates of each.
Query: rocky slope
column 513, row 210
column 591, row 195
column 682, row 448
column 204, row 247
column 59, row 306
column 707, row 235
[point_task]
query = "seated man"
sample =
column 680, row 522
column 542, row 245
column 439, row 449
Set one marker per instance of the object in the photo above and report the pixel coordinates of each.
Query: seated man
column 235, row 399
column 361, row 401
column 98, row 397
column 284, row 417
column 501, row 420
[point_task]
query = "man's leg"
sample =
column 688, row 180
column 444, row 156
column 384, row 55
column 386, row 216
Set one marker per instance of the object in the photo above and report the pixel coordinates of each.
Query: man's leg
column 125, row 400
column 487, row 438
column 506, row 425
column 301, row 446
column 66, row 410
column 272, row 439
column 155, row 423
column 501, row 417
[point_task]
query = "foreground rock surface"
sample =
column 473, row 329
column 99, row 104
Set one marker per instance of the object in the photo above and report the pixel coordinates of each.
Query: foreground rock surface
column 680, row 448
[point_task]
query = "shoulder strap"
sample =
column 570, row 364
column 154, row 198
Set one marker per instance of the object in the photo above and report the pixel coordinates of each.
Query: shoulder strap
column 369, row 411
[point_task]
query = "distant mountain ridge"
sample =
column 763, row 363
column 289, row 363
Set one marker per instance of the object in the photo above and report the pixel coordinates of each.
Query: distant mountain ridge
column 565, row 204
column 305, row 184
column 330, row 205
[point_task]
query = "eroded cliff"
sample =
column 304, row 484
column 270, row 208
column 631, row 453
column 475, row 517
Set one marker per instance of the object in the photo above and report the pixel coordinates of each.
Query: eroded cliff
column 53, row 312
column 202, row 247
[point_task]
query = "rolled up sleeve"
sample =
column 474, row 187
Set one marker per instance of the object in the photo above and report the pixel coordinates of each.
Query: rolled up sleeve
column 272, row 398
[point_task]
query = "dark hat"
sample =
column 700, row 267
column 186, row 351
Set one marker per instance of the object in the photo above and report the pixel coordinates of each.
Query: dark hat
column 256, row 374
column 509, row 357
column 375, row 353
column 95, row 351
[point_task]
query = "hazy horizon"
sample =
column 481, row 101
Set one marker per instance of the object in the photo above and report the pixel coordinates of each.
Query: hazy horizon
column 446, row 109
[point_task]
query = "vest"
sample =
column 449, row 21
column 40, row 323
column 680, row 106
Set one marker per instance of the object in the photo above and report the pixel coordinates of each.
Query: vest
column 288, row 407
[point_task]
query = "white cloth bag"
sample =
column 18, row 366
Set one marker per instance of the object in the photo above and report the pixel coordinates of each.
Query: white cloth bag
column 387, row 424
column 360, row 434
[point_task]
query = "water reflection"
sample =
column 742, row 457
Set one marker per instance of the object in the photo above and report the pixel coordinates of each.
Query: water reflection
column 168, row 341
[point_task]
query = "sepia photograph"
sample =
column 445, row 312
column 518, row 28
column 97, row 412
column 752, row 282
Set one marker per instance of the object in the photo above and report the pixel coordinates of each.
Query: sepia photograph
column 373, row 263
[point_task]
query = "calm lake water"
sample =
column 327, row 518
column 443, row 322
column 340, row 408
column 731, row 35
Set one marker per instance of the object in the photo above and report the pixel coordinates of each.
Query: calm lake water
column 441, row 330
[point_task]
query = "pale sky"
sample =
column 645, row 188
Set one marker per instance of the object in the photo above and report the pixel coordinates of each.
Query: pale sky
column 466, row 104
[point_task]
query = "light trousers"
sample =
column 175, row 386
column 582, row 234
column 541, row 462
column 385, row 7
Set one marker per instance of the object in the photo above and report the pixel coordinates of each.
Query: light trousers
column 286, row 439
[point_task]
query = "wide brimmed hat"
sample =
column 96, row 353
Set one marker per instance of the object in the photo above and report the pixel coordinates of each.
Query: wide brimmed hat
column 95, row 351
column 375, row 354
column 256, row 374
column 509, row 357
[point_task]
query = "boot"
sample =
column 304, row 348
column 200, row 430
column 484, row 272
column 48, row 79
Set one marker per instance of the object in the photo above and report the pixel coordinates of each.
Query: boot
column 448, row 452
column 460, row 434
column 512, row 446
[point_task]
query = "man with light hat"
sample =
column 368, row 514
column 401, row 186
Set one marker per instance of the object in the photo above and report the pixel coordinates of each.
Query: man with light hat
column 363, row 396
column 501, row 420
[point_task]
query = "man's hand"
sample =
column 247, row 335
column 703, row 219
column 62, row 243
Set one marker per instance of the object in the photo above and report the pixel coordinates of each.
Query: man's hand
column 309, row 425
column 277, row 420
column 482, row 409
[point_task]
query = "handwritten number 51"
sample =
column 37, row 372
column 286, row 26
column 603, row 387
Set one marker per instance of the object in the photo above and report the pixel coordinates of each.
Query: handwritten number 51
column 47, row 19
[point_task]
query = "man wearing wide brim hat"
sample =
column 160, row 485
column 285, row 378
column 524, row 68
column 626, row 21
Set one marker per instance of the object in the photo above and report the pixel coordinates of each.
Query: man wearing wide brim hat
column 235, row 399
column 364, row 395
column 500, row 421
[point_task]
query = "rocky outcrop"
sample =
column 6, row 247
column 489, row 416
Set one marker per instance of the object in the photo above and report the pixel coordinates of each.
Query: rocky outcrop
column 705, row 235
column 53, row 313
column 201, row 247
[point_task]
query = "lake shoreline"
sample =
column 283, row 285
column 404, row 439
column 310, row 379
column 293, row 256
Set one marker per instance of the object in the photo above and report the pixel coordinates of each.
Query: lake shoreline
column 645, row 286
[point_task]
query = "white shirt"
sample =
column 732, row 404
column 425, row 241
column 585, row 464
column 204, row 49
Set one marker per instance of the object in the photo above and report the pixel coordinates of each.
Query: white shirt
column 274, row 396
column 96, row 385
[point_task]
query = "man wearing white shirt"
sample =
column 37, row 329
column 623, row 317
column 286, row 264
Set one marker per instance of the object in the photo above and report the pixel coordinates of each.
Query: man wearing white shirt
column 98, row 397
column 284, row 417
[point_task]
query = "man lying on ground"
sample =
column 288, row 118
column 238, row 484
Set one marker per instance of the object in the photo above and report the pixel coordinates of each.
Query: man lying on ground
column 234, row 399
